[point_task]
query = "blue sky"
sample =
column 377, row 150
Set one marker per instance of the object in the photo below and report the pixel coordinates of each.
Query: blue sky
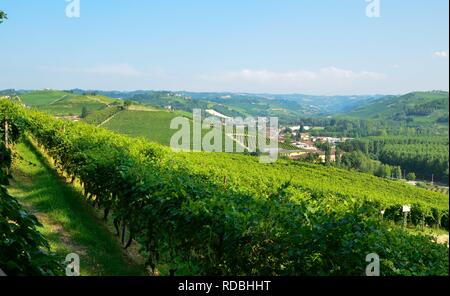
column 278, row 46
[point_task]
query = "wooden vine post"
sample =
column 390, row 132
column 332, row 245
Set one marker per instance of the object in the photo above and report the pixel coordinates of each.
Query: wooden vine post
column 406, row 209
column 6, row 129
column 6, row 140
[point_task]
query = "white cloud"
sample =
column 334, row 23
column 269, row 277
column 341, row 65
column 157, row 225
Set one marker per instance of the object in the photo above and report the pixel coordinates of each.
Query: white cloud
column 103, row 70
column 265, row 76
column 349, row 75
column 441, row 54
column 300, row 76
column 294, row 81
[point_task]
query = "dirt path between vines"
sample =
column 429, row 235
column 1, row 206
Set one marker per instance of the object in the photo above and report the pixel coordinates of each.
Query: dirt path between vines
column 443, row 239
column 70, row 225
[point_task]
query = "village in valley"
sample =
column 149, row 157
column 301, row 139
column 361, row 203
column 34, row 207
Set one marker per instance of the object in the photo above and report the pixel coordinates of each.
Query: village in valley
column 302, row 144
column 298, row 142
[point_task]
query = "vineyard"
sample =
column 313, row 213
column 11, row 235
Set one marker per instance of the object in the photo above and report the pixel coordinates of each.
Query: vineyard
column 64, row 103
column 100, row 116
column 152, row 125
column 227, row 214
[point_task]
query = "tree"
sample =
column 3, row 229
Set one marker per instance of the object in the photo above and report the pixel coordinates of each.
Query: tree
column 380, row 171
column 411, row 176
column 288, row 130
column 387, row 171
column 397, row 172
column 312, row 158
column 127, row 104
column 2, row 16
column 327, row 156
column 84, row 112
column 338, row 156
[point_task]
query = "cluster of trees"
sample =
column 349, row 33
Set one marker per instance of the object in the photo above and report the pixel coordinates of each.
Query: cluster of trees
column 349, row 157
column 426, row 108
column 162, row 99
column 353, row 159
column 411, row 111
column 426, row 157
column 429, row 162
column 357, row 128
column 361, row 162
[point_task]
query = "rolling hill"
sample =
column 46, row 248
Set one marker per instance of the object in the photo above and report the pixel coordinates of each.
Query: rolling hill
column 152, row 125
column 63, row 103
column 415, row 108
column 287, row 107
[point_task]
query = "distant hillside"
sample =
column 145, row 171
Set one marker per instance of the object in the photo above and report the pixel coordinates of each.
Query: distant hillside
column 65, row 102
column 416, row 107
column 287, row 107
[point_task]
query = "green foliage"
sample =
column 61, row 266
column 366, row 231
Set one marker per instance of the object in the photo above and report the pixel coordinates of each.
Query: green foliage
column 65, row 103
column 362, row 163
column 416, row 107
column 425, row 155
column 288, row 108
column 2, row 16
column 224, row 214
column 432, row 187
column 152, row 125
column 23, row 250
column 84, row 112
column 411, row 176
column 419, row 113
column 127, row 103
column 100, row 116
column 69, row 226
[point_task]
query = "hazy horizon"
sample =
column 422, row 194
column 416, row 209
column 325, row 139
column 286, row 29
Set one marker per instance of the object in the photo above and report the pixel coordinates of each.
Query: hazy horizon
column 228, row 92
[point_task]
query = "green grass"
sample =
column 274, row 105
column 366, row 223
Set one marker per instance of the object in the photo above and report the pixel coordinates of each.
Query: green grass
column 417, row 230
column 70, row 224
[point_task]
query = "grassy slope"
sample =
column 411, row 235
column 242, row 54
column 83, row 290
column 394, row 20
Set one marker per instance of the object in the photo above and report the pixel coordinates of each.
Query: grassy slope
column 70, row 225
column 64, row 103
